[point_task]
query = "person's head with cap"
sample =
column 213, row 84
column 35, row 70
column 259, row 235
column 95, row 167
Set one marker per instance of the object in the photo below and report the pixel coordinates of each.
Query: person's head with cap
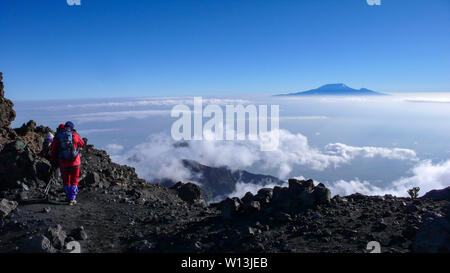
column 49, row 137
column 60, row 127
column 70, row 125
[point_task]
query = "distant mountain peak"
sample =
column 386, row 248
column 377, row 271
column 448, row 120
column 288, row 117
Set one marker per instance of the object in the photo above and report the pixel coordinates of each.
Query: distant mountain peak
column 220, row 181
column 333, row 85
column 335, row 89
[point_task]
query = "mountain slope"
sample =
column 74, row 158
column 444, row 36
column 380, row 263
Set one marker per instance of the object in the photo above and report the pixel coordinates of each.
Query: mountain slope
column 337, row 89
column 221, row 181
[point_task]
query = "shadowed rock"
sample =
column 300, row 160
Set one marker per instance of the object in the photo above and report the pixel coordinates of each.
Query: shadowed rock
column 38, row 244
column 188, row 192
column 7, row 114
column 230, row 207
column 19, row 163
column 433, row 235
column 438, row 195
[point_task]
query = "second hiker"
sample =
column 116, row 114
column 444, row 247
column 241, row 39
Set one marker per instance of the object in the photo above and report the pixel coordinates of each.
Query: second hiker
column 46, row 147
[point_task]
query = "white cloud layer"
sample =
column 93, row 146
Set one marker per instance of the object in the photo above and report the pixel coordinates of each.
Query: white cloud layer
column 114, row 148
column 159, row 158
column 426, row 175
column 302, row 117
column 94, row 131
column 169, row 101
column 429, row 100
column 118, row 115
column 350, row 152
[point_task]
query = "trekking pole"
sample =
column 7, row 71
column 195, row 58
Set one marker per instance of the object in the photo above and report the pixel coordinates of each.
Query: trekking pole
column 47, row 189
column 49, row 184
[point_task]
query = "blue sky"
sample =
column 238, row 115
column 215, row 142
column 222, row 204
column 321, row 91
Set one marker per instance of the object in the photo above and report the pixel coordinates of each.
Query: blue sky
column 129, row 48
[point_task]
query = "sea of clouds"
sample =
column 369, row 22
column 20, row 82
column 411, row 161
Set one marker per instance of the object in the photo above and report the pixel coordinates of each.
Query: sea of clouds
column 159, row 157
column 110, row 123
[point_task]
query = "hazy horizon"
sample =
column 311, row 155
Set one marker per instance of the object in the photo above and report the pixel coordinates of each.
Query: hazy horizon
column 341, row 141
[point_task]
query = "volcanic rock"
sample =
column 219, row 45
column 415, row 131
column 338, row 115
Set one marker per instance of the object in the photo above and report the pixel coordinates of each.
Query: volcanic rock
column 188, row 192
column 7, row 114
column 230, row 207
column 38, row 244
column 433, row 235
column 6, row 207
column 57, row 236
column 322, row 195
column 91, row 179
column 79, row 234
column 438, row 195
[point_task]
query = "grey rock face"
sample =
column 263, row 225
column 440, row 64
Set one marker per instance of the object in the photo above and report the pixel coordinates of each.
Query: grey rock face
column 57, row 236
column 6, row 207
column 7, row 114
column 38, row 244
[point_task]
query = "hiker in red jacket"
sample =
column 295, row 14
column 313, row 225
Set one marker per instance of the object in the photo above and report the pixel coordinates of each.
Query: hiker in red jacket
column 66, row 147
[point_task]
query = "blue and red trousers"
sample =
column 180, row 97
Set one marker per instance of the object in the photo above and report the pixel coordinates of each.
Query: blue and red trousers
column 70, row 178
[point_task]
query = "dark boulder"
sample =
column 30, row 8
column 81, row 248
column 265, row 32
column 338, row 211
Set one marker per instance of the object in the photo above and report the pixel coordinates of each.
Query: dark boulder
column 188, row 192
column 91, row 179
column 38, row 244
column 43, row 169
column 306, row 199
column 252, row 207
column 264, row 195
column 322, row 195
column 230, row 207
column 19, row 163
column 248, row 197
column 433, row 235
column 299, row 186
column 79, row 234
column 282, row 198
column 438, row 195
column 355, row 197
column 57, row 236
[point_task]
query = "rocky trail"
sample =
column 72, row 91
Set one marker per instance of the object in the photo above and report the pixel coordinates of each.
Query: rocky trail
column 110, row 223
